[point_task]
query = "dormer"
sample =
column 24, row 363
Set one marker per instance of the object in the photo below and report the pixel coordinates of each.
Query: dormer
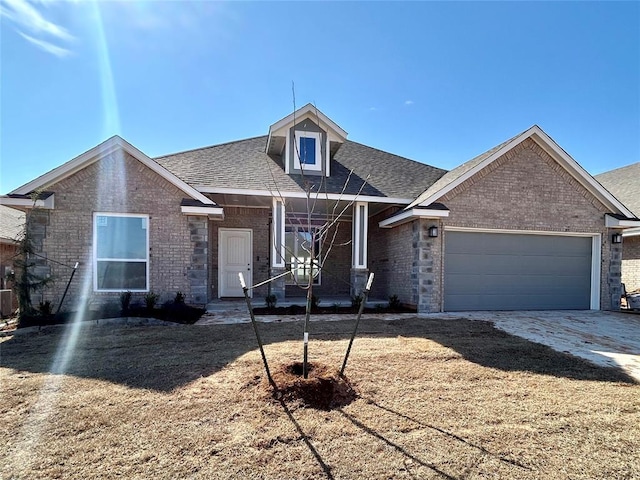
column 303, row 138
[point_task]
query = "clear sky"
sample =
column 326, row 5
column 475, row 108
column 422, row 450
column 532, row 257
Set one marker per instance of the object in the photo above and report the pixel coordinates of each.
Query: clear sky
column 438, row 82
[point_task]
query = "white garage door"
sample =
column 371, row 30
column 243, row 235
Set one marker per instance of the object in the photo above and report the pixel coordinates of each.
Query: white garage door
column 501, row 271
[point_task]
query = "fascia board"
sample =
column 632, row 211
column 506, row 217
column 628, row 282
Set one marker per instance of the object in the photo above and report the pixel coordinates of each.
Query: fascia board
column 190, row 210
column 465, row 176
column 410, row 215
column 69, row 168
column 612, row 222
column 164, row 173
column 48, row 203
column 577, row 171
column 308, row 111
column 106, row 148
column 631, row 232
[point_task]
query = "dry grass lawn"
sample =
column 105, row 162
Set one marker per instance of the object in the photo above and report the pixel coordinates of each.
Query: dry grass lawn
column 437, row 399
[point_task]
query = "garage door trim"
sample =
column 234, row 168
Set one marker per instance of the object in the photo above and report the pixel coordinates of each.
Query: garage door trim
column 596, row 254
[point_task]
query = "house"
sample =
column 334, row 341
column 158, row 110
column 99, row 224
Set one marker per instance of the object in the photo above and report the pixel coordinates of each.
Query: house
column 624, row 183
column 521, row 226
column 11, row 226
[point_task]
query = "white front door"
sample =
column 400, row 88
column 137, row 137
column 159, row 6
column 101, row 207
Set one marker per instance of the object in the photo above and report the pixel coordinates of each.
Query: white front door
column 234, row 256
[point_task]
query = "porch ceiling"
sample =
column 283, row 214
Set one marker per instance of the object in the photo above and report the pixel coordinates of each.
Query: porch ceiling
column 294, row 205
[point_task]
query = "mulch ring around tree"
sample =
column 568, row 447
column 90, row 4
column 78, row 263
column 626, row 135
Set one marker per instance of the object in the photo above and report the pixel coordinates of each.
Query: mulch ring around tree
column 323, row 389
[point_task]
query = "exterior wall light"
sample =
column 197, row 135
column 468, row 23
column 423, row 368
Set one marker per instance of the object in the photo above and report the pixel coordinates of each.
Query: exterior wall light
column 616, row 238
column 433, row 231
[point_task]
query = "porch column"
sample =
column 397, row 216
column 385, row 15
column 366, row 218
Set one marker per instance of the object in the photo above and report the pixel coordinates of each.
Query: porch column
column 277, row 267
column 359, row 242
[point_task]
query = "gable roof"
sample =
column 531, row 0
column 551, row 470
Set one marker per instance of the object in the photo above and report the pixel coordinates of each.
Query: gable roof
column 11, row 224
column 458, row 175
column 96, row 153
column 624, row 184
column 244, row 165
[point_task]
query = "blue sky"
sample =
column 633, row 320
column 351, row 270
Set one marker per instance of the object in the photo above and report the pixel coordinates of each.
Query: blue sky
column 438, row 82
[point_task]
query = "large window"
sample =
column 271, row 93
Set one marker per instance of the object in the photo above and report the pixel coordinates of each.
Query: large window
column 308, row 153
column 298, row 242
column 121, row 252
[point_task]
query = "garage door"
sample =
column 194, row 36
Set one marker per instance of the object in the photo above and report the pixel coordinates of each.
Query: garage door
column 499, row 271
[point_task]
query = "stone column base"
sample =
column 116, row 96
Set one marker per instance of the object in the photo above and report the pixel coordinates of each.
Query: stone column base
column 278, row 286
column 358, row 280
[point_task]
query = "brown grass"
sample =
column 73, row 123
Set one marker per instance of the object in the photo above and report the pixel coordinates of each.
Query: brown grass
column 437, row 399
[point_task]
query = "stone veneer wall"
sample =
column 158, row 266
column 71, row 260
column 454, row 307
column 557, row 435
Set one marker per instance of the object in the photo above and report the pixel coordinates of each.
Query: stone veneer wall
column 118, row 183
column 631, row 263
column 526, row 190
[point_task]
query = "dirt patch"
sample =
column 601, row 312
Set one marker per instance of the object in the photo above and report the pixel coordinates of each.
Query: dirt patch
column 323, row 389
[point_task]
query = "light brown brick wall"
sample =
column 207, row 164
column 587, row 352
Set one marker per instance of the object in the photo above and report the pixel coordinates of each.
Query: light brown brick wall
column 526, row 190
column 118, row 183
column 391, row 258
column 631, row 263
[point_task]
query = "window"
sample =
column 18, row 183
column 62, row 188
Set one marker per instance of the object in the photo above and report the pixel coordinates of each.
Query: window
column 298, row 242
column 308, row 152
column 121, row 252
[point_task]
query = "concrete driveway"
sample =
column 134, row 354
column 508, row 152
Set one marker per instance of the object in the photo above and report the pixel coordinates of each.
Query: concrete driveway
column 609, row 339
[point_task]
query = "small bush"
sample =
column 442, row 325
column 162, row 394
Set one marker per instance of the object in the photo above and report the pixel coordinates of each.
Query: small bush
column 394, row 302
column 315, row 302
column 356, row 301
column 150, row 300
column 179, row 300
column 45, row 308
column 125, row 301
column 271, row 301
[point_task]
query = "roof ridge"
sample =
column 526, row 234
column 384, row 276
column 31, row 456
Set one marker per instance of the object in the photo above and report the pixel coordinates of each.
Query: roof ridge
column 208, row 147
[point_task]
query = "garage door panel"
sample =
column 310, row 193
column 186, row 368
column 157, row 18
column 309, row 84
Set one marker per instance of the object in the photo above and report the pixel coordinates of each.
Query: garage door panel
column 493, row 271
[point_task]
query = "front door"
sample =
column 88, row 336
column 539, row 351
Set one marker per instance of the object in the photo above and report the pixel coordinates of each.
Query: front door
column 234, row 256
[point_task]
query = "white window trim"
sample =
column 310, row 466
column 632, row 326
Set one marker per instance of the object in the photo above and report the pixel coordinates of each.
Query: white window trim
column 359, row 235
column 596, row 253
column 95, row 251
column 299, row 134
column 278, row 250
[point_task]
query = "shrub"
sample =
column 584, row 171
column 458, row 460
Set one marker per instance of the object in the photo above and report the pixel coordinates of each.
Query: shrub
column 356, row 300
column 394, row 302
column 125, row 301
column 45, row 308
column 271, row 301
column 150, row 300
column 179, row 300
column 315, row 301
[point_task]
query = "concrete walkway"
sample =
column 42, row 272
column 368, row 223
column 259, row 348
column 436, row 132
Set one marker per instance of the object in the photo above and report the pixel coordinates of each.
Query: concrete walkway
column 609, row 339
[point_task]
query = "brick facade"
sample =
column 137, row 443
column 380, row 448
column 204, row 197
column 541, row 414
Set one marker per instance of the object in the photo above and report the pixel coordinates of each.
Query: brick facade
column 524, row 190
column 118, row 183
column 631, row 263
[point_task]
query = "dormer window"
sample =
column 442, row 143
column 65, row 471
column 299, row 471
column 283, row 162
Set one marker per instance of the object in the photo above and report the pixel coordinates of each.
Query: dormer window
column 308, row 154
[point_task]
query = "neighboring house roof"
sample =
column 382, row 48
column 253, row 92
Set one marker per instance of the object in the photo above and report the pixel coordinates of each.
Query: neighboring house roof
column 624, row 184
column 245, row 165
column 11, row 224
column 458, row 175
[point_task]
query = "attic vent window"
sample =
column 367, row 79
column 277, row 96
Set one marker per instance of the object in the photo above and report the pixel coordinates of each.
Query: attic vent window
column 307, row 155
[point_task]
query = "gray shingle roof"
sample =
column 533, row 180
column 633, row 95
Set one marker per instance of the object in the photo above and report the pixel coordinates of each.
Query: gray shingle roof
column 244, row 164
column 624, row 184
column 11, row 223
